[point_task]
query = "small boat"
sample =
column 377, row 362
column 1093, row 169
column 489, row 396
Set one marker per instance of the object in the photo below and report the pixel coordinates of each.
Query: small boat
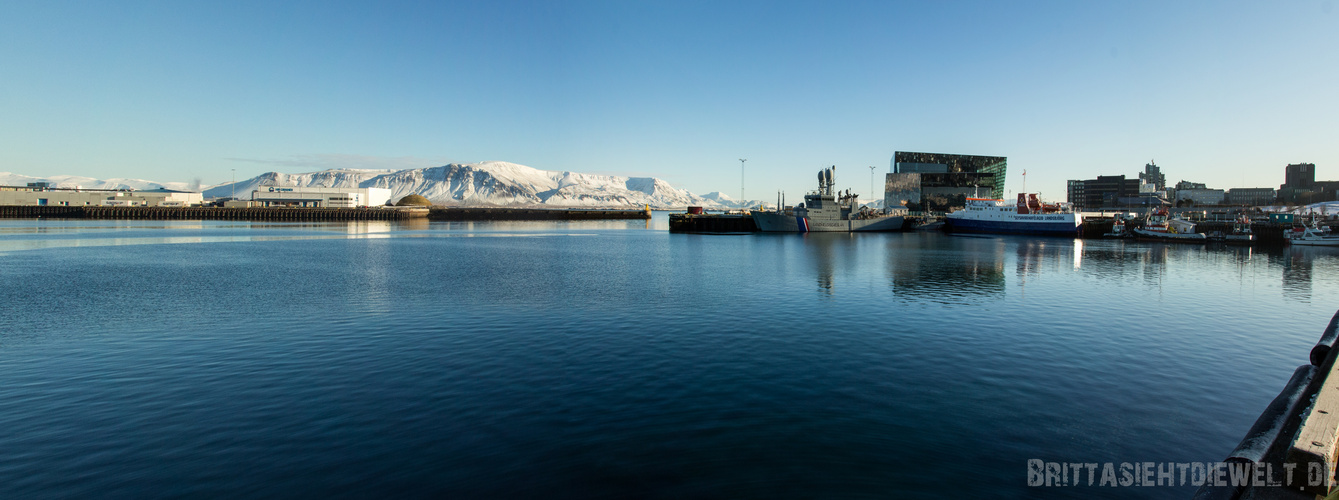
column 1158, row 227
column 1117, row 228
column 1241, row 232
column 1311, row 235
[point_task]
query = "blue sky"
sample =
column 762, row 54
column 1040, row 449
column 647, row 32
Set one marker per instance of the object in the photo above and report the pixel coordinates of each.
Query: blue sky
column 1225, row 93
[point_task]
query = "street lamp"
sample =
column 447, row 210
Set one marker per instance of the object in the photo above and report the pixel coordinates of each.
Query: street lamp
column 741, row 181
column 233, row 185
column 871, row 183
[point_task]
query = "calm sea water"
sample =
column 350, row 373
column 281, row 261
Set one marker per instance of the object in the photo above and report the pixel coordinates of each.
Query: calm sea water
column 616, row 360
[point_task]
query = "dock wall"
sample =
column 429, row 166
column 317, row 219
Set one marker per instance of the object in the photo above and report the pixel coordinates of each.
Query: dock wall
column 212, row 213
column 711, row 223
column 1266, row 233
column 315, row 214
column 498, row 213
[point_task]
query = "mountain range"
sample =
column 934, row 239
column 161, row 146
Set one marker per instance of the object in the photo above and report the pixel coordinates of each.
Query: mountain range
column 75, row 181
column 490, row 183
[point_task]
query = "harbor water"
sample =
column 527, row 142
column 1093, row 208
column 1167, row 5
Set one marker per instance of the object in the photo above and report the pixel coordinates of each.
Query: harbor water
column 612, row 359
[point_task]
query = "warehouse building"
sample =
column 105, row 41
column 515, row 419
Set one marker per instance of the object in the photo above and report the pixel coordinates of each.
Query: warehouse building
column 1251, row 197
column 1200, row 196
column 319, row 197
column 41, row 194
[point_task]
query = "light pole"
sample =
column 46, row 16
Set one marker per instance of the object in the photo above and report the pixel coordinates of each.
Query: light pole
column 741, row 181
column 871, row 183
column 233, row 185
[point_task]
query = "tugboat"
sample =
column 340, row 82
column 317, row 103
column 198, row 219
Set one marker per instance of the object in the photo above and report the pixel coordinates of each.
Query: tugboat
column 1159, row 228
column 1241, row 233
column 826, row 210
column 1117, row 228
column 1029, row 216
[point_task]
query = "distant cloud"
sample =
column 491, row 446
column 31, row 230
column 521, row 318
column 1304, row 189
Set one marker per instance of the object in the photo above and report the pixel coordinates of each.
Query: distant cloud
column 345, row 161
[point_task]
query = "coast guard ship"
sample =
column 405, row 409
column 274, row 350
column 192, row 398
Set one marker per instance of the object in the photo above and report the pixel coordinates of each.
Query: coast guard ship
column 824, row 210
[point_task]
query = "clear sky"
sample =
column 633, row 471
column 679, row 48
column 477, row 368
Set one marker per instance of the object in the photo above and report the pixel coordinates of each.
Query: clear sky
column 1222, row 92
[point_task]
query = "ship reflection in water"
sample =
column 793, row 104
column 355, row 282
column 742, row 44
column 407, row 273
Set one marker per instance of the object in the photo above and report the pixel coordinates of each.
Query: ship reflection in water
column 967, row 270
column 960, row 270
column 1297, row 264
column 831, row 254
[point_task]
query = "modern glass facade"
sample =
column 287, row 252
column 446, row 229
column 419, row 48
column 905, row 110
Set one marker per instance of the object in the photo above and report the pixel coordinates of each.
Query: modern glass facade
column 939, row 181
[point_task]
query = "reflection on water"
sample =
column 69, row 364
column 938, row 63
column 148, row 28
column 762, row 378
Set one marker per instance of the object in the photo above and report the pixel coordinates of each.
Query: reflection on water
column 944, row 269
column 448, row 359
column 919, row 267
column 953, row 270
column 830, row 253
column 1297, row 273
column 28, row 234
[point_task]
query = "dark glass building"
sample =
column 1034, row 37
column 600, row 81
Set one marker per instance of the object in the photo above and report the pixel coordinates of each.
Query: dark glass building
column 1104, row 191
column 940, row 181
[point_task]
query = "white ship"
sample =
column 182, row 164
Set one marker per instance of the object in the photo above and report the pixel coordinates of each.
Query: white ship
column 1160, row 228
column 1028, row 216
column 824, row 210
column 1311, row 235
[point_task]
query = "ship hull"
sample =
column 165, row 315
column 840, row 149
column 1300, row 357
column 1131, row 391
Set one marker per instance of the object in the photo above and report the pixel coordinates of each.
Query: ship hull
column 1068, row 228
column 1146, row 235
column 781, row 223
column 1320, row 242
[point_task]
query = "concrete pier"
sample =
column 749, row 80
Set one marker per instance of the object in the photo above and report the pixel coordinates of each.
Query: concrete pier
column 214, row 213
column 712, row 223
column 1266, row 233
column 318, row 214
column 501, row 213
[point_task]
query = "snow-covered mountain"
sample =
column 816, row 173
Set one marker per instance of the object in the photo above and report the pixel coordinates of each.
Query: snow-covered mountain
column 460, row 184
column 725, row 201
column 77, row 182
column 487, row 183
column 490, row 183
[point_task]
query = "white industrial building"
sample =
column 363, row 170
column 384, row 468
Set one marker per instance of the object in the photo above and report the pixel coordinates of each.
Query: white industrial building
column 323, row 197
column 39, row 194
column 1200, row 196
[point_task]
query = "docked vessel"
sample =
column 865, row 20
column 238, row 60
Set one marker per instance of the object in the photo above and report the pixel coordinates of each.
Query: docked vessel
column 1117, row 228
column 1028, row 216
column 1241, row 233
column 826, row 210
column 1311, row 235
column 1160, row 228
column 697, row 220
